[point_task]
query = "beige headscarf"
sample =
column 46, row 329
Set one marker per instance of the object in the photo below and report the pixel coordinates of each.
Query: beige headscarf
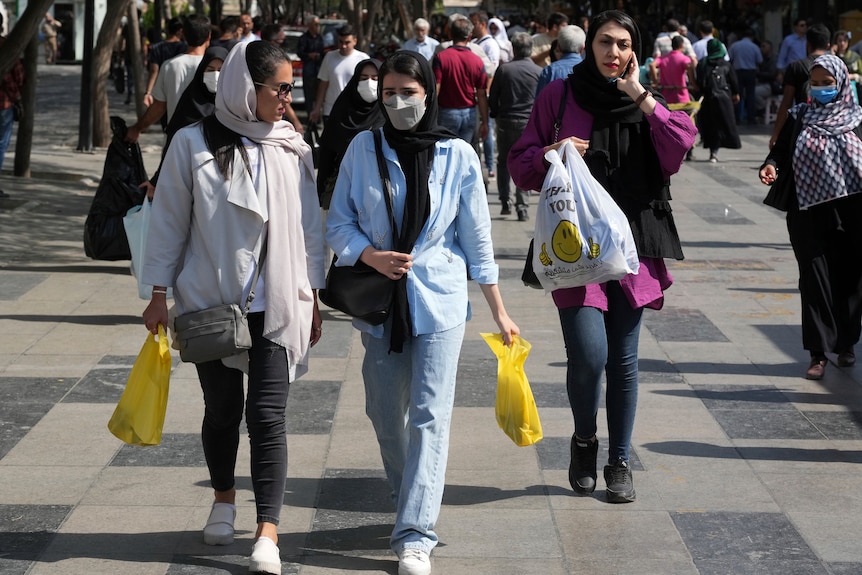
column 289, row 298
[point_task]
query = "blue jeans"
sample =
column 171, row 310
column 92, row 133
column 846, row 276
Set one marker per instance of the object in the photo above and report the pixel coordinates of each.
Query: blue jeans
column 459, row 121
column 409, row 398
column 599, row 341
column 488, row 146
column 268, row 375
column 7, row 122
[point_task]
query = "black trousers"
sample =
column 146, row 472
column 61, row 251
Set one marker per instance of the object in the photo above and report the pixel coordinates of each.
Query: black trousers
column 265, row 404
column 827, row 243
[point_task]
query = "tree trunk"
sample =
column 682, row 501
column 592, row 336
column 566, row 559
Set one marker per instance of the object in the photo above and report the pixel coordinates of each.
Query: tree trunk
column 114, row 13
column 136, row 57
column 24, row 139
column 21, row 34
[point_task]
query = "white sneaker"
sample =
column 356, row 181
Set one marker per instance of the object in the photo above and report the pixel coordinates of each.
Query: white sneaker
column 265, row 557
column 413, row 562
column 219, row 527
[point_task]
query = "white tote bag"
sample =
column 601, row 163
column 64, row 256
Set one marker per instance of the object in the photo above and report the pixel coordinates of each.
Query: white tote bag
column 582, row 237
column 137, row 223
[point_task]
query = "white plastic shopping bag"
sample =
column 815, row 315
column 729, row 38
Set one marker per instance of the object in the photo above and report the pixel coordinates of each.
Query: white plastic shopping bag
column 137, row 223
column 582, row 237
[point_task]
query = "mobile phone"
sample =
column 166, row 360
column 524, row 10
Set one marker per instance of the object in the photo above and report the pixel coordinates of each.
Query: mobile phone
column 624, row 72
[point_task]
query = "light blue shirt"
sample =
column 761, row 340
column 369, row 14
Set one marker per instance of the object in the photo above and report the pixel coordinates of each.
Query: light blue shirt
column 425, row 48
column 745, row 55
column 455, row 241
column 793, row 48
column 559, row 69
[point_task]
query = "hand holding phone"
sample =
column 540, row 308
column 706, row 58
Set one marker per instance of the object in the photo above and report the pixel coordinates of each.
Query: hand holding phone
column 624, row 72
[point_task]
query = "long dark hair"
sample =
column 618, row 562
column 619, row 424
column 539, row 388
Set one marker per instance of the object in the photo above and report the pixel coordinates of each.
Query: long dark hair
column 263, row 60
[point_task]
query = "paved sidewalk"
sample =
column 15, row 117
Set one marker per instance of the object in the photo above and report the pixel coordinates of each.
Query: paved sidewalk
column 741, row 466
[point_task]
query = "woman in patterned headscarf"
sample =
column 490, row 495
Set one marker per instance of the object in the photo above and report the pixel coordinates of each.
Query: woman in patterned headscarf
column 821, row 154
column 235, row 186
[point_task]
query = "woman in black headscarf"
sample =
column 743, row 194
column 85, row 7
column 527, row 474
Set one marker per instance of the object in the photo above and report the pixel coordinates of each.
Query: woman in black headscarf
column 717, row 82
column 632, row 144
column 443, row 234
column 198, row 100
column 355, row 110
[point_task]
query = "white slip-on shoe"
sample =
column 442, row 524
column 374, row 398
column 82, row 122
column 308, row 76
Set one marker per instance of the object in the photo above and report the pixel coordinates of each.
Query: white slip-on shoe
column 219, row 527
column 414, row 562
column 265, row 557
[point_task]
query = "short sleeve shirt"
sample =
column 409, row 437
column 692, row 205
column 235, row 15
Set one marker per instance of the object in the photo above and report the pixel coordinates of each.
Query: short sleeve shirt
column 174, row 77
column 460, row 74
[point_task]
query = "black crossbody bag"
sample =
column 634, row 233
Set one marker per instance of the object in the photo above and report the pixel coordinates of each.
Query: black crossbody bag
column 359, row 290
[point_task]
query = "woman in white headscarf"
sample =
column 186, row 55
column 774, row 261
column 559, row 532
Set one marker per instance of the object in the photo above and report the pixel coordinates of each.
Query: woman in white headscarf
column 498, row 30
column 231, row 184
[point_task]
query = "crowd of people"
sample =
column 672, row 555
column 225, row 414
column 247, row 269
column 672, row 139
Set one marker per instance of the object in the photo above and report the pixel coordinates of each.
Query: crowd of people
column 242, row 212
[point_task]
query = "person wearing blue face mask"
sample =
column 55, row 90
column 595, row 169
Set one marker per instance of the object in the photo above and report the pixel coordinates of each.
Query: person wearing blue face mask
column 443, row 232
column 815, row 168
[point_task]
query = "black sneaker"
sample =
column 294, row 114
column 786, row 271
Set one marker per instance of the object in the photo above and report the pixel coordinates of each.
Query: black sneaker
column 618, row 478
column 523, row 216
column 507, row 210
column 582, row 469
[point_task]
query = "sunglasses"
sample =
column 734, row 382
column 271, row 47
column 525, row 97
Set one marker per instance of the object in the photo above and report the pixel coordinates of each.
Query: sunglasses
column 282, row 89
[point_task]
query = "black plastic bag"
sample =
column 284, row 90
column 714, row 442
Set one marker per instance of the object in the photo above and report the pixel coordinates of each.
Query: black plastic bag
column 104, row 234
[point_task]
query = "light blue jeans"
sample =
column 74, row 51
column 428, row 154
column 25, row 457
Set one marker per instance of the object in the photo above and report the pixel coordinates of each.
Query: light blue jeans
column 409, row 398
column 460, row 121
column 606, row 342
column 7, row 122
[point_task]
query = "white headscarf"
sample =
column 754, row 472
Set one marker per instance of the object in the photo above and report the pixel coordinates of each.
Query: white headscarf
column 506, row 52
column 289, row 298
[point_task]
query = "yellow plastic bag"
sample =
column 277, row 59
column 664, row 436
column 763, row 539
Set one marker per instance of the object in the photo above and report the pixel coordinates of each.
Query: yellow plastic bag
column 140, row 413
column 516, row 409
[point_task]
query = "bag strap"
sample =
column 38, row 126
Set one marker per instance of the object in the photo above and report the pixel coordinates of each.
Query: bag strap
column 384, row 179
column 257, row 269
column 559, row 120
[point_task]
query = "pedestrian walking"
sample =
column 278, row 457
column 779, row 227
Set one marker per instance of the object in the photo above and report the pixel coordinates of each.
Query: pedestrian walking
column 716, row 120
column 817, row 162
column 443, row 232
column 632, row 144
column 233, row 187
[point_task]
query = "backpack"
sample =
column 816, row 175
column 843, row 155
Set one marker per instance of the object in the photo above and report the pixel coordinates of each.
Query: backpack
column 715, row 82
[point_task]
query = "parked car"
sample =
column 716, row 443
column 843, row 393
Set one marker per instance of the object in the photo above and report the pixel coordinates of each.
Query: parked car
column 290, row 45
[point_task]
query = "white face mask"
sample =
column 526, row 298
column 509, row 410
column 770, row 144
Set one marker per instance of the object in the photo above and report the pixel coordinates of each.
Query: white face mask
column 367, row 90
column 404, row 111
column 211, row 80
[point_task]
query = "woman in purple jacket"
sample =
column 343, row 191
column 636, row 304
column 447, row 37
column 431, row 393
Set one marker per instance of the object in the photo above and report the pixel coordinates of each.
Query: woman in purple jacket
column 632, row 145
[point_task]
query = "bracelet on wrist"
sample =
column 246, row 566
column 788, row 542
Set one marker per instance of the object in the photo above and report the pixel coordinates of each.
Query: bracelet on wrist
column 642, row 97
column 161, row 291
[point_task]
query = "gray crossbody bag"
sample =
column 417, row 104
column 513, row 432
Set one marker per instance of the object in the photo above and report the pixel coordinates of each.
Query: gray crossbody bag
column 217, row 332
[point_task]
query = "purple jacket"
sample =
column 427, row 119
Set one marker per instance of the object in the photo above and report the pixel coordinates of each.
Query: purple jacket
column 673, row 134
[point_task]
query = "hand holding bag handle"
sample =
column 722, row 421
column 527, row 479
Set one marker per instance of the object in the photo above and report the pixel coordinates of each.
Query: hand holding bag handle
column 359, row 290
column 528, row 276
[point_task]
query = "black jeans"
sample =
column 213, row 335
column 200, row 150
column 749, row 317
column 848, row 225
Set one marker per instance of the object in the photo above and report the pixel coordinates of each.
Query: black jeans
column 268, row 384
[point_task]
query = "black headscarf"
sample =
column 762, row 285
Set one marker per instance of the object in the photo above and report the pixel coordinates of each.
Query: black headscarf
column 621, row 155
column 350, row 115
column 415, row 150
column 196, row 103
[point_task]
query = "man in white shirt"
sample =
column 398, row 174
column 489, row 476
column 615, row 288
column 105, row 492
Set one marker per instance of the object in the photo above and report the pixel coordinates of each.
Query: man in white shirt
column 662, row 46
column 336, row 70
column 421, row 42
column 247, row 25
column 484, row 40
column 175, row 75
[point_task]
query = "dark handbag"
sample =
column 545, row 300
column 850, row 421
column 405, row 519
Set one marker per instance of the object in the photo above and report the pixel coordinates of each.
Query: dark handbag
column 528, row 276
column 17, row 110
column 216, row 332
column 359, row 290
column 312, row 138
column 782, row 192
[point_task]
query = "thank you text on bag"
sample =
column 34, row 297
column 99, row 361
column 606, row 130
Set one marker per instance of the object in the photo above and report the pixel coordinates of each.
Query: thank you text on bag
column 582, row 237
